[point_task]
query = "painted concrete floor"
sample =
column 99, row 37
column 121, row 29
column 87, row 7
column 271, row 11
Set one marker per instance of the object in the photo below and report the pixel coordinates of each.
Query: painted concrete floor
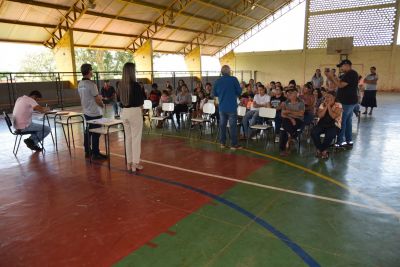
column 198, row 205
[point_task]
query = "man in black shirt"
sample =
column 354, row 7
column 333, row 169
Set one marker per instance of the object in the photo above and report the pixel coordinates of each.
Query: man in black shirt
column 110, row 96
column 347, row 86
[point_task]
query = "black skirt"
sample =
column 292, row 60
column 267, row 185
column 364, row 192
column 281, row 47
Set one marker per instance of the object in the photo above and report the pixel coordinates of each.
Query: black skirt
column 369, row 99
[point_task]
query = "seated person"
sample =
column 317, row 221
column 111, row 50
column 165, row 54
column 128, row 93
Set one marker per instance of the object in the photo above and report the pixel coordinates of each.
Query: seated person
column 318, row 99
column 292, row 119
column 208, row 91
column 182, row 102
column 246, row 96
column 276, row 103
column 22, row 119
column 165, row 98
column 251, row 117
column 329, row 123
column 309, row 102
column 155, row 95
column 109, row 95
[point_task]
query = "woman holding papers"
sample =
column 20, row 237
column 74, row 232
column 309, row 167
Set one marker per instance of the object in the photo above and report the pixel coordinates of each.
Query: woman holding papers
column 132, row 99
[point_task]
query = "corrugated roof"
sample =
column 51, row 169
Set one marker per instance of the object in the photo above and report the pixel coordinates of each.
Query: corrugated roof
column 115, row 24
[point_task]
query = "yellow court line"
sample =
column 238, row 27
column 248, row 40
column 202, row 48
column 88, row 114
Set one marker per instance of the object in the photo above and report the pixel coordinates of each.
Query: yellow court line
column 376, row 202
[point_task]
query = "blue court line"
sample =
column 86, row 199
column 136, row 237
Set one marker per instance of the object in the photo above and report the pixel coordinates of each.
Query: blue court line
column 281, row 236
column 293, row 246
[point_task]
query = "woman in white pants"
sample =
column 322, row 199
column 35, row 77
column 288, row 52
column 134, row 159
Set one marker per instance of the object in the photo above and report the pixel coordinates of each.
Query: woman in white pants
column 132, row 99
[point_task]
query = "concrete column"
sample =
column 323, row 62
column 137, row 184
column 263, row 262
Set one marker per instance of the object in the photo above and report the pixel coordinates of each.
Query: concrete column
column 193, row 62
column 64, row 54
column 229, row 59
column 144, row 61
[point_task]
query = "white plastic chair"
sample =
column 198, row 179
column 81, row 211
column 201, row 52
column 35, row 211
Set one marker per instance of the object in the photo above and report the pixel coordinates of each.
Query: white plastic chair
column 208, row 110
column 167, row 109
column 267, row 114
column 147, row 106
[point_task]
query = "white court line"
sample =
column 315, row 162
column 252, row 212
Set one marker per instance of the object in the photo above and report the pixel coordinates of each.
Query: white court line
column 268, row 186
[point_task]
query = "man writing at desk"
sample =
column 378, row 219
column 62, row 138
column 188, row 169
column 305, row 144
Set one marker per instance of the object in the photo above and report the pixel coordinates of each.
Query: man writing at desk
column 22, row 119
column 92, row 104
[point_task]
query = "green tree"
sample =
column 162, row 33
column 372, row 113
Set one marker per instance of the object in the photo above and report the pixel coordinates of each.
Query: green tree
column 40, row 62
column 102, row 60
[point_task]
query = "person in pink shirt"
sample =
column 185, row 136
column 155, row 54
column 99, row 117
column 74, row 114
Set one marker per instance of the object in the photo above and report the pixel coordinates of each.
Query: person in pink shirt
column 22, row 119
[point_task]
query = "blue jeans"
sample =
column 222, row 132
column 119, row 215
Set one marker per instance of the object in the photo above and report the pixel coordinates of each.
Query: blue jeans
column 347, row 124
column 224, row 117
column 278, row 122
column 248, row 120
column 40, row 134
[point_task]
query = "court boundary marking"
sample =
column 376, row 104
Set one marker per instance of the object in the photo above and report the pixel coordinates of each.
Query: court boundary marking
column 294, row 192
column 377, row 203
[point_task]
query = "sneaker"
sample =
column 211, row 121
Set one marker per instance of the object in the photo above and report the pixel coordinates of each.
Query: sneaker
column 222, row 146
column 138, row 167
column 99, row 156
column 29, row 143
column 236, row 147
column 341, row 145
column 349, row 144
column 37, row 148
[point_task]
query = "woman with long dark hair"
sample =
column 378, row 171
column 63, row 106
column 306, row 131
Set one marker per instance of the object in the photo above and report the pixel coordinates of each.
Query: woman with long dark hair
column 132, row 99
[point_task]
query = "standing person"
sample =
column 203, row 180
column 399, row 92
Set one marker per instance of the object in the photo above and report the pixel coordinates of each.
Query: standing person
column 92, row 104
column 331, row 86
column 347, row 95
column 292, row 119
column 132, row 99
column 317, row 79
column 369, row 98
column 110, row 96
column 227, row 89
column 22, row 119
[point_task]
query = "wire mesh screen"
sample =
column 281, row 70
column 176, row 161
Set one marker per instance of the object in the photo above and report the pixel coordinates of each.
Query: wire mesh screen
column 324, row 5
column 369, row 27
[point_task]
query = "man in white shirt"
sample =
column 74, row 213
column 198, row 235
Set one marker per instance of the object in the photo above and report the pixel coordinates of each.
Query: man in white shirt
column 92, row 104
column 260, row 100
column 22, row 119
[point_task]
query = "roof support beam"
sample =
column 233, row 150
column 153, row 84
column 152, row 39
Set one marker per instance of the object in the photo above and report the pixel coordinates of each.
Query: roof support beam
column 165, row 18
column 75, row 12
column 102, row 15
column 160, row 7
column 33, row 24
column 227, row 10
column 241, row 8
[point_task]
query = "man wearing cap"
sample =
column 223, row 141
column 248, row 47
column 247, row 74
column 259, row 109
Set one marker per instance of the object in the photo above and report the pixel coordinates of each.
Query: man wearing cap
column 347, row 86
column 92, row 104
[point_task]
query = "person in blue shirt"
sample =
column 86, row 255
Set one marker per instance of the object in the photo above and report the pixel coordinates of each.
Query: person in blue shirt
column 227, row 89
